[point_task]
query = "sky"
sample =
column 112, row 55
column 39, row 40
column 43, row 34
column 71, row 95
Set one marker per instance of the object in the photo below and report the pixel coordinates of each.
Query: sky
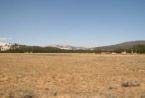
column 72, row 22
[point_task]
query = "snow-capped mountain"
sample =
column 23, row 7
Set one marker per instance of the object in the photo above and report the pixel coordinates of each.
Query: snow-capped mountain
column 4, row 46
column 67, row 47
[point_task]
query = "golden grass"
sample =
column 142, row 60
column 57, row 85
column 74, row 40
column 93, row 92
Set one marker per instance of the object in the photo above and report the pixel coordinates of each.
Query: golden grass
column 71, row 75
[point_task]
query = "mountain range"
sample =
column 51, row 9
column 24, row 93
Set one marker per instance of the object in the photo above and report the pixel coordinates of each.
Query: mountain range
column 125, row 45
column 68, row 47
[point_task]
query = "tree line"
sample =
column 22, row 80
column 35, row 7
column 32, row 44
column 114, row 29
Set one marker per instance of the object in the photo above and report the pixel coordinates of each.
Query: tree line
column 36, row 49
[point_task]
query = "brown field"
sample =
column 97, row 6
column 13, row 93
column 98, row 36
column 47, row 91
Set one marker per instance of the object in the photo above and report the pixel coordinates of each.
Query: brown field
column 71, row 76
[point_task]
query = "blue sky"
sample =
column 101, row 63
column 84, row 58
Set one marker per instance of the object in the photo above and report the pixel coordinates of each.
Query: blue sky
column 75, row 22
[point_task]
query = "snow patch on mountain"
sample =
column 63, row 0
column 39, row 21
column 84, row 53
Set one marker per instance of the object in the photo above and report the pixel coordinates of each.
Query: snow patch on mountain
column 4, row 46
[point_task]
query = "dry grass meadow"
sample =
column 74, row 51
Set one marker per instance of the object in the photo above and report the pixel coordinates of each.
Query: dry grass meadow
column 71, row 76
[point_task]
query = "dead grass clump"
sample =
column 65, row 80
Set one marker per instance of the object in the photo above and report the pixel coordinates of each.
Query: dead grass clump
column 142, row 95
column 110, row 94
column 21, row 94
column 10, row 95
column 28, row 94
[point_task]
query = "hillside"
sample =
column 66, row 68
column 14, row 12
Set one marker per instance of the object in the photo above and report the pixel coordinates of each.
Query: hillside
column 125, row 45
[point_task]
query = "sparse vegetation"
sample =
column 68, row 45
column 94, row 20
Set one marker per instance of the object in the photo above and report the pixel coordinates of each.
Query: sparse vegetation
column 71, row 76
